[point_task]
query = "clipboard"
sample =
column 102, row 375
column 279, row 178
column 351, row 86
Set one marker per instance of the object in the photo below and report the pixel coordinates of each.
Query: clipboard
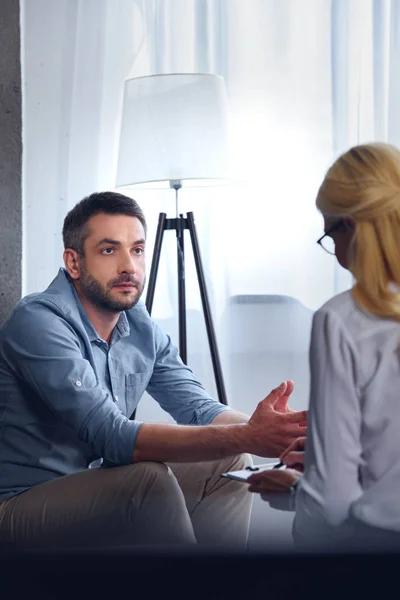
column 244, row 474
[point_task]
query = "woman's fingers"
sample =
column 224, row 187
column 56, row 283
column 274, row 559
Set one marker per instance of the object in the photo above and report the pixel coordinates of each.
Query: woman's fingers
column 293, row 458
column 297, row 445
column 272, row 482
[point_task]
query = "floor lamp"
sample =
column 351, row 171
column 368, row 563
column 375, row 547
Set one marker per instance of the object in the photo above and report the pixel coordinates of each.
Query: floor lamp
column 174, row 134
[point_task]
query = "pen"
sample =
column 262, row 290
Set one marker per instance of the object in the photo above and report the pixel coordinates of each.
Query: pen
column 279, row 465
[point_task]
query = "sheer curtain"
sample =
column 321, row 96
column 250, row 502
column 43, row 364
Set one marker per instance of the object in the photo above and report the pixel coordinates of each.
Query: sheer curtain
column 305, row 81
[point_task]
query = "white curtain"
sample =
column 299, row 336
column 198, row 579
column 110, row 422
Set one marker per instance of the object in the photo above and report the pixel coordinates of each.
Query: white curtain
column 305, row 80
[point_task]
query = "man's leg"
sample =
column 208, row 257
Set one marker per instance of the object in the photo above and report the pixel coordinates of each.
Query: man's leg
column 220, row 508
column 134, row 504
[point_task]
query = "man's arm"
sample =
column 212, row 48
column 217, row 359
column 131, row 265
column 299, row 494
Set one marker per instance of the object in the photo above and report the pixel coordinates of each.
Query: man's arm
column 186, row 443
column 267, row 433
column 175, row 388
column 221, row 431
column 42, row 348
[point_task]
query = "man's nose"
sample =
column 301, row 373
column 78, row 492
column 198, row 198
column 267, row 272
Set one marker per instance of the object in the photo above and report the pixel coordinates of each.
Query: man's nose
column 127, row 264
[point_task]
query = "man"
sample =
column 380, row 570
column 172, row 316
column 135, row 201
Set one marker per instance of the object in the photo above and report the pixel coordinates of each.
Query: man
column 74, row 362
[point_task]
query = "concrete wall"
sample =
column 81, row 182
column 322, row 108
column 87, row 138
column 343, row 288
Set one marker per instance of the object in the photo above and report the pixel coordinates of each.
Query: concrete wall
column 10, row 158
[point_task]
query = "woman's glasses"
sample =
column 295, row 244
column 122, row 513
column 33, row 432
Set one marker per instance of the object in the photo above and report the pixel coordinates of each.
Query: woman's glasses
column 326, row 241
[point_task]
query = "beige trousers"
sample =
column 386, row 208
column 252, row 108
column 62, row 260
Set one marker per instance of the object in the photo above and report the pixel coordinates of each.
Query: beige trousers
column 142, row 503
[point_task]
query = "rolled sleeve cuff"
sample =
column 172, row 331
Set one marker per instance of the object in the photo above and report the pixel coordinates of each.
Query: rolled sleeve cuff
column 206, row 414
column 119, row 450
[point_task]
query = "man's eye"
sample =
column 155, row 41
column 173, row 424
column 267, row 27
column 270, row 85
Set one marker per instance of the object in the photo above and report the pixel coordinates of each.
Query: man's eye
column 139, row 251
column 107, row 251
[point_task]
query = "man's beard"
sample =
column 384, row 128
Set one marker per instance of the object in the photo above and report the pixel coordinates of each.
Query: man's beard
column 101, row 297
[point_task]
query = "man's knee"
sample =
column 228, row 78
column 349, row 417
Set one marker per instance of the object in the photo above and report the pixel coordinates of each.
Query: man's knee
column 151, row 469
column 152, row 478
column 240, row 462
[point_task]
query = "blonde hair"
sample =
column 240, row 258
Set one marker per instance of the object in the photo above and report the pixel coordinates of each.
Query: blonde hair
column 364, row 183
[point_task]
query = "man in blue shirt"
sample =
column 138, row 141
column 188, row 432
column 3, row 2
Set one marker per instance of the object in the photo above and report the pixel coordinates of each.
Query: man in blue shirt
column 74, row 362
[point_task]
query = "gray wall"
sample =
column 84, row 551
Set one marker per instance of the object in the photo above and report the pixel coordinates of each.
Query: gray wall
column 10, row 158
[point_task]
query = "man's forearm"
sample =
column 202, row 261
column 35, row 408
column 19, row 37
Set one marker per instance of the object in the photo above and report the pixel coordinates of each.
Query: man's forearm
column 186, row 443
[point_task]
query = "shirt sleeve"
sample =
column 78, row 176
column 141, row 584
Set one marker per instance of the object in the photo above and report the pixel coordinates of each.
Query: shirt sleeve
column 175, row 388
column 330, row 483
column 43, row 350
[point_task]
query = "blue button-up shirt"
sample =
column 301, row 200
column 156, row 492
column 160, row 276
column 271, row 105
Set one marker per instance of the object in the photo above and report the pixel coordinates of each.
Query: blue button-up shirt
column 66, row 395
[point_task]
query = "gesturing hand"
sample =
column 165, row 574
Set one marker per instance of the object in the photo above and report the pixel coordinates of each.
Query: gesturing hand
column 274, row 426
column 281, row 403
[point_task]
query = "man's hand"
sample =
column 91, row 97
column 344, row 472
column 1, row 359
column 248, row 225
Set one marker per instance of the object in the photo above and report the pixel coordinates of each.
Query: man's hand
column 273, row 426
column 281, row 405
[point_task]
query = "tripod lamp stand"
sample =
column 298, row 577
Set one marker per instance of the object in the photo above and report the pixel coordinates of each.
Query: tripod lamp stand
column 174, row 135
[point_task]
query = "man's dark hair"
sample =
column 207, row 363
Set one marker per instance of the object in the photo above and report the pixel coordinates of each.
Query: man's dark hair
column 75, row 229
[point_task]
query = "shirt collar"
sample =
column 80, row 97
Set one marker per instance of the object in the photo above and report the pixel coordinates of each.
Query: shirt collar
column 123, row 325
column 68, row 298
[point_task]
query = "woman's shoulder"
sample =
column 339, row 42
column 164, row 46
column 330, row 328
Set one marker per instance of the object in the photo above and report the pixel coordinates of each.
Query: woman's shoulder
column 342, row 305
column 343, row 313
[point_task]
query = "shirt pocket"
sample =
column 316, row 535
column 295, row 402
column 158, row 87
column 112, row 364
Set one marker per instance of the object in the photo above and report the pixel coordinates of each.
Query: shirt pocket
column 135, row 386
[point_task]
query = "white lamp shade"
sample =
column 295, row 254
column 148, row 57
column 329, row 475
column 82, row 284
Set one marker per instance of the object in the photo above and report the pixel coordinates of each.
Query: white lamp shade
column 174, row 127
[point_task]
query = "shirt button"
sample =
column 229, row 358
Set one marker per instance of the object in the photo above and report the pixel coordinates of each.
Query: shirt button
column 78, row 383
column 116, row 399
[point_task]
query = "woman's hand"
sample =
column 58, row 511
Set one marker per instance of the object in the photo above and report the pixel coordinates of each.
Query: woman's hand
column 273, row 481
column 281, row 480
column 293, row 456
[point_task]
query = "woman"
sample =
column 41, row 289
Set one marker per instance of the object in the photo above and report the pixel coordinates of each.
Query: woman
column 349, row 493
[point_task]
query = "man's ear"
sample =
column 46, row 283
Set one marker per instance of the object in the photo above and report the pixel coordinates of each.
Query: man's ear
column 72, row 262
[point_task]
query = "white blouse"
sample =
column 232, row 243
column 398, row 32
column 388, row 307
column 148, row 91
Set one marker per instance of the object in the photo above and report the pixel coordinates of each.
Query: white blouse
column 352, row 459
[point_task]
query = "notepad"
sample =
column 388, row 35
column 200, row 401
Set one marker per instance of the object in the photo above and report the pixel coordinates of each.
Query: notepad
column 244, row 474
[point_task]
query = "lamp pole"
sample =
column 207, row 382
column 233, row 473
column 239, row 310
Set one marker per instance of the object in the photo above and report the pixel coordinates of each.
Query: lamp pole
column 176, row 184
column 179, row 224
